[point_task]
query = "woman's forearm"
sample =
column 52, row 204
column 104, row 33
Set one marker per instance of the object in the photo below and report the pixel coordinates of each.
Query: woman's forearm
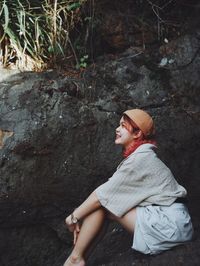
column 89, row 205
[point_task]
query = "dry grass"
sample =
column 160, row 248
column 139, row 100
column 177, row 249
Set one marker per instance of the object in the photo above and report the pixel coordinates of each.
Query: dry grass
column 36, row 34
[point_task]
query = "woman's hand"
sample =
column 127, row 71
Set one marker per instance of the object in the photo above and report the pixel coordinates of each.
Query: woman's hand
column 91, row 204
column 73, row 227
column 70, row 225
column 76, row 232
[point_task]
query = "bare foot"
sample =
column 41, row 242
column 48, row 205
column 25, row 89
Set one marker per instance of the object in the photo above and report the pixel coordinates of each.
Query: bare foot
column 74, row 262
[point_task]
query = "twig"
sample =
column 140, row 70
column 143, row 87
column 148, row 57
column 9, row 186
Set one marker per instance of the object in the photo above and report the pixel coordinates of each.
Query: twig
column 74, row 52
column 131, row 56
column 159, row 7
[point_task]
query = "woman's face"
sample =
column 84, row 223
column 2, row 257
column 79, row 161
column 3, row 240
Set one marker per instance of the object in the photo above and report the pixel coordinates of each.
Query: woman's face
column 124, row 134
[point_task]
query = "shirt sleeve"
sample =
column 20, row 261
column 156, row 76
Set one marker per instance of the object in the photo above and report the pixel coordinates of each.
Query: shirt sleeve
column 122, row 191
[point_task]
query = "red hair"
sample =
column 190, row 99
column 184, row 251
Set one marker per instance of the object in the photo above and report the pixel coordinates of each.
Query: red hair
column 132, row 127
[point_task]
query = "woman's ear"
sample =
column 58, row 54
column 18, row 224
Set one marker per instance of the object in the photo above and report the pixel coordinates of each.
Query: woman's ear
column 138, row 134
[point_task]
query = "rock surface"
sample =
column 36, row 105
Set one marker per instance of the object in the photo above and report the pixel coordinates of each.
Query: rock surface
column 56, row 146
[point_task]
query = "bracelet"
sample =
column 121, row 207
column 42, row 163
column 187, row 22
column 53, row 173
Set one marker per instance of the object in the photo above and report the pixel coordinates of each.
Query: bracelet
column 74, row 219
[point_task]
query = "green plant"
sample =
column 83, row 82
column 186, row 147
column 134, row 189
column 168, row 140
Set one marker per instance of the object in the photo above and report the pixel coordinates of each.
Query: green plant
column 83, row 62
column 36, row 33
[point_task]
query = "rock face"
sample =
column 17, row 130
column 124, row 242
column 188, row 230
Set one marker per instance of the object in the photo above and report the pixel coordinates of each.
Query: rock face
column 57, row 144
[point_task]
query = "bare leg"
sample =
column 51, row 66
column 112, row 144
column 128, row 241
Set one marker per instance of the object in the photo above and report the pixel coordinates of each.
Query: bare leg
column 127, row 221
column 97, row 239
column 89, row 229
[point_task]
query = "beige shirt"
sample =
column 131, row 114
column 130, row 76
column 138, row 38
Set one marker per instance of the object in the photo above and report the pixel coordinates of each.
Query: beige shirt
column 141, row 179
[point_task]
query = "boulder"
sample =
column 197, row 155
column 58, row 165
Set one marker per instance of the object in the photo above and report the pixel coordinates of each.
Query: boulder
column 57, row 144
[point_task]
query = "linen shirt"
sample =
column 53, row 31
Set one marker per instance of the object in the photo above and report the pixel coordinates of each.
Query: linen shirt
column 141, row 179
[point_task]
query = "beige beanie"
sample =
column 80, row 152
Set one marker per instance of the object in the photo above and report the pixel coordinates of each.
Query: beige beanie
column 143, row 120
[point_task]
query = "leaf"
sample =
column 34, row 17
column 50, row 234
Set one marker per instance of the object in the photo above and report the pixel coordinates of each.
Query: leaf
column 6, row 16
column 50, row 49
column 73, row 6
column 83, row 65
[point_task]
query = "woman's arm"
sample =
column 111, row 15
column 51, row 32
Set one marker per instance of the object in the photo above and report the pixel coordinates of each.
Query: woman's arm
column 89, row 205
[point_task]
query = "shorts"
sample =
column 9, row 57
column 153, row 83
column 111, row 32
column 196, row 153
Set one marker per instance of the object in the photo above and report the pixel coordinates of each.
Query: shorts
column 160, row 228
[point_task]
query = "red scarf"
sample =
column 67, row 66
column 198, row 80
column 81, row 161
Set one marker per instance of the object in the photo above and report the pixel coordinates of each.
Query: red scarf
column 135, row 145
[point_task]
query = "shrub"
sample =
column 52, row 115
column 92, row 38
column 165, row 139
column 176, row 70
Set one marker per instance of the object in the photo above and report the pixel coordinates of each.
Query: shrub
column 34, row 34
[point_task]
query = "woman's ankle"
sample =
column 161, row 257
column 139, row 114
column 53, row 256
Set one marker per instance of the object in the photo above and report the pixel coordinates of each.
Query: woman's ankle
column 75, row 258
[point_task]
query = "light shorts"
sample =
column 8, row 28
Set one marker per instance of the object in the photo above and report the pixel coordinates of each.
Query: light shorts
column 160, row 228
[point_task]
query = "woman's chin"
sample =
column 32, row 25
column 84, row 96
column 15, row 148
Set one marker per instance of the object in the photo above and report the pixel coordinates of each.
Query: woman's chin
column 117, row 142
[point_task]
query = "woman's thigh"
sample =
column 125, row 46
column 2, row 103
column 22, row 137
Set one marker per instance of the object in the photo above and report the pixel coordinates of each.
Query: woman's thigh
column 127, row 221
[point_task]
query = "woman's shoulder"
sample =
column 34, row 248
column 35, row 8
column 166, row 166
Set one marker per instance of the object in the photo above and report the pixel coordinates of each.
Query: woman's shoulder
column 144, row 150
column 139, row 155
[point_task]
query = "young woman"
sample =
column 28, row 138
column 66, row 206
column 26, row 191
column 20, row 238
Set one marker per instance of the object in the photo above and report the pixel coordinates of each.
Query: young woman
column 142, row 195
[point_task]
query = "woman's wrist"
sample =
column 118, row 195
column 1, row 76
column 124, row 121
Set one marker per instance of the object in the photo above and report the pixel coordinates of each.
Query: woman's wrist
column 89, row 205
column 74, row 219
